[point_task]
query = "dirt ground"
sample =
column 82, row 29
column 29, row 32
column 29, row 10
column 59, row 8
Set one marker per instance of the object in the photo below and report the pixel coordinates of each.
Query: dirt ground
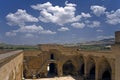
column 59, row 78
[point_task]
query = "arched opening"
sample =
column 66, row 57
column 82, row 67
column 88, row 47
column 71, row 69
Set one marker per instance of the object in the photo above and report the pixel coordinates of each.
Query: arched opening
column 81, row 63
column 92, row 73
column 81, row 72
column 68, row 68
column 105, row 70
column 106, row 75
column 52, row 56
column 52, row 70
column 91, row 68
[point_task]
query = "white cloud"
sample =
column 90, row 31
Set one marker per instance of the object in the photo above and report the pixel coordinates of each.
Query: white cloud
column 78, row 25
column 105, row 37
column 29, row 35
column 30, row 30
column 113, row 17
column 47, row 32
column 10, row 34
column 98, row 10
column 85, row 15
column 20, row 17
column 63, row 29
column 99, row 30
column 56, row 14
column 93, row 24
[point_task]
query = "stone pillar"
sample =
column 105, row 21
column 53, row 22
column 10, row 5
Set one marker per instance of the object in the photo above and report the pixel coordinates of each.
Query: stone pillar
column 85, row 68
column 59, row 69
column 97, row 71
column 113, row 70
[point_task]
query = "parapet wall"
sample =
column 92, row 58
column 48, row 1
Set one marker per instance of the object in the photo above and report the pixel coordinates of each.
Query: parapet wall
column 11, row 65
column 117, row 37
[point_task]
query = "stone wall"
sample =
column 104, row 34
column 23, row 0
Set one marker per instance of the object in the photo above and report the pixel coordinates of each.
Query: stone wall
column 11, row 67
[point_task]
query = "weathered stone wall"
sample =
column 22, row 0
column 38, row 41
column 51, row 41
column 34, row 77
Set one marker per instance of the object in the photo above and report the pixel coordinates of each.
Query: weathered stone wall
column 11, row 67
column 117, row 37
column 38, row 64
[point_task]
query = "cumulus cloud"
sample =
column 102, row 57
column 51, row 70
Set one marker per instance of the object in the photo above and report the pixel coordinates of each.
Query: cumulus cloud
column 30, row 30
column 105, row 37
column 63, row 29
column 29, row 35
column 98, row 10
column 78, row 25
column 56, row 14
column 47, row 32
column 85, row 15
column 113, row 17
column 20, row 17
column 93, row 24
column 35, row 29
column 99, row 30
column 10, row 34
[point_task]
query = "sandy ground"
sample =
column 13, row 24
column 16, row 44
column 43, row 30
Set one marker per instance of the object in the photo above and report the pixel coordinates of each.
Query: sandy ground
column 56, row 78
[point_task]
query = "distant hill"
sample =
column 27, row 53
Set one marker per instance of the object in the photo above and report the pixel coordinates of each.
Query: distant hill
column 15, row 47
column 100, row 45
column 103, row 42
column 99, row 42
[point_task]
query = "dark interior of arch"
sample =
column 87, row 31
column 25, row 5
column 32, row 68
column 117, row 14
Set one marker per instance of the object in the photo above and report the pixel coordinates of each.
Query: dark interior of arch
column 106, row 75
column 92, row 73
column 52, row 56
column 52, row 70
column 68, row 68
column 81, row 72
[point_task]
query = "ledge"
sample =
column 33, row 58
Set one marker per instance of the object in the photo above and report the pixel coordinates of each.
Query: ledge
column 7, row 57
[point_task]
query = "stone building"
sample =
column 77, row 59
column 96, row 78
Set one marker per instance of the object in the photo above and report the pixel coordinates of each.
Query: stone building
column 58, row 60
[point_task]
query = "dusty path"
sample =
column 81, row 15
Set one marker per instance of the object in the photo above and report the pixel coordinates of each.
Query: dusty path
column 58, row 78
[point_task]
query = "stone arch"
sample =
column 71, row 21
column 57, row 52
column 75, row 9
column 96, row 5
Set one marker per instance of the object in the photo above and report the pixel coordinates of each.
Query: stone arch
column 105, row 71
column 68, row 68
column 52, row 70
column 81, row 65
column 91, row 67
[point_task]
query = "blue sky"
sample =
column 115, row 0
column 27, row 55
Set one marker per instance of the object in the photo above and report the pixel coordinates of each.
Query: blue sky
column 58, row 21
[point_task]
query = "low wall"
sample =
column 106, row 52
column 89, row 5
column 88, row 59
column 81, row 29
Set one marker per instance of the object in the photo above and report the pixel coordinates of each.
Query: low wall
column 11, row 65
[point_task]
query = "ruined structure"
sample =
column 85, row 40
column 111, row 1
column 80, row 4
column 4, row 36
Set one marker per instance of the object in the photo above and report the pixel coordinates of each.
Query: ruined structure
column 57, row 60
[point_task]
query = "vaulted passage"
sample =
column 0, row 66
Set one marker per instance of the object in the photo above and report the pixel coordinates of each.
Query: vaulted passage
column 106, row 75
column 91, row 68
column 52, row 71
column 105, row 70
column 81, row 69
column 92, row 73
column 68, row 68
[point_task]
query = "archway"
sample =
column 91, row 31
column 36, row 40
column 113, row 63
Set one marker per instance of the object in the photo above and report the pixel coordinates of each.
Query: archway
column 52, row 70
column 81, row 63
column 105, row 70
column 82, row 70
column 92, row 73
column 91, row 68
column 106, row 75
column 68, row 68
